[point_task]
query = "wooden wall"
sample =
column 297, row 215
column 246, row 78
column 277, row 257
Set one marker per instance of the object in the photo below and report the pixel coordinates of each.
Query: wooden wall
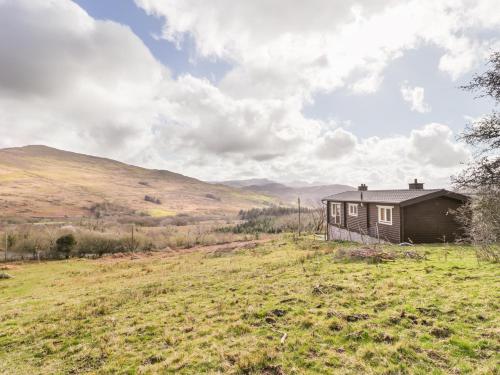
column 358, row 223
column 429, row 221
column 425, row 222
column 390, row 233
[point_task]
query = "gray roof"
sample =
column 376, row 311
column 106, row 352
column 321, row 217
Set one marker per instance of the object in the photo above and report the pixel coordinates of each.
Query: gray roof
column 393, row 196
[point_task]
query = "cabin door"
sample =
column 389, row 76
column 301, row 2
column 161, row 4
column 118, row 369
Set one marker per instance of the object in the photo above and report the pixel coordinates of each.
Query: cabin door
column 336, row 218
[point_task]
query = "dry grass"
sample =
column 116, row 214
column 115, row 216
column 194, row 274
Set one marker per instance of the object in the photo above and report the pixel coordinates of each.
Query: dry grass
column 36, row 241
column 282, row 307
column 45, row 182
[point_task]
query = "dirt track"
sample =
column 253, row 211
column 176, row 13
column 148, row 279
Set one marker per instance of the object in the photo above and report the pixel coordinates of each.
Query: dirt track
column 221, row 248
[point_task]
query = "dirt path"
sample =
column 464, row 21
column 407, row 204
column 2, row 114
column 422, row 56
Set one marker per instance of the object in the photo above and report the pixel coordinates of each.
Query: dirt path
column 218, row 248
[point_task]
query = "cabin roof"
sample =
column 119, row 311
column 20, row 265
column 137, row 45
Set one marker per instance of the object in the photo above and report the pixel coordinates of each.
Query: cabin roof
column 401, row 197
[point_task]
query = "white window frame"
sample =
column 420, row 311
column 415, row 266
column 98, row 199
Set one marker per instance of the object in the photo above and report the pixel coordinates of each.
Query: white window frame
column 384, row 209
column 353, row 209
column 333, row 213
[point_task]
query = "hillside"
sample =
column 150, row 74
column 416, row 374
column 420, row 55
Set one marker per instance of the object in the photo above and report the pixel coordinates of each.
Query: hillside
column 245, row 183
column 41, row 181
column 310, row 194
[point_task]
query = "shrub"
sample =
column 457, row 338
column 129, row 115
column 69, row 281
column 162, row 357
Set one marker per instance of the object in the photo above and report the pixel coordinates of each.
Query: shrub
column 65, row 244
column 150, row 198
column 104, row 209
column 274, row 211
column 98, row 243
column 211, row 196
column 267, row 223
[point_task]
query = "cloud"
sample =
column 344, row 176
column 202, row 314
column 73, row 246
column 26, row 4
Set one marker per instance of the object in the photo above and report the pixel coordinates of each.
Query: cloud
column 433, row 145
column 337, row 144
column 73, row 82
column 415, row 97
column 277, row 51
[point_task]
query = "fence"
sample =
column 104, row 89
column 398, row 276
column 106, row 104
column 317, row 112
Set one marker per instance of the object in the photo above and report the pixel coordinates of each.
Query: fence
column 336, row 233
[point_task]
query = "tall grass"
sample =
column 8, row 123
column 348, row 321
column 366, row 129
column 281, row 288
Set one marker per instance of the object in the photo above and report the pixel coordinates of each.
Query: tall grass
column 30, row 241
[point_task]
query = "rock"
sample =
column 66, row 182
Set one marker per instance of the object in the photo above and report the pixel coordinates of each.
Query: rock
column 356, row 317
column 270, row 320
column 278, row 312
column 153, row 359
column 441, row 332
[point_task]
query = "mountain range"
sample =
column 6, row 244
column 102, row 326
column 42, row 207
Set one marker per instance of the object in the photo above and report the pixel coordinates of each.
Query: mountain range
column 310, row 194
column 39, row 181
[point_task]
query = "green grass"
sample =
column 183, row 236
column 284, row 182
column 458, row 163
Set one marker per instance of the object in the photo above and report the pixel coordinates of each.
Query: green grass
column 226, row 312
column 159, row 212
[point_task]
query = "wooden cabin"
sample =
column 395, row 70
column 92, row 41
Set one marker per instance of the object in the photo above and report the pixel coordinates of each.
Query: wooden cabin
column 415, row 214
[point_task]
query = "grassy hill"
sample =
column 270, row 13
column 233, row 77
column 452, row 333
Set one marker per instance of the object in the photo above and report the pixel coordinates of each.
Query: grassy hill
column 46, row 182
column 283, row 307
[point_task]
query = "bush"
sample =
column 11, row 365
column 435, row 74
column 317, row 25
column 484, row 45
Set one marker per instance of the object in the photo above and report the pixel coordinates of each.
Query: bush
column 98, row 244
column 65, row 244
column 211, row 196
column 272, row 220
column 274, row 211
column 149, row 198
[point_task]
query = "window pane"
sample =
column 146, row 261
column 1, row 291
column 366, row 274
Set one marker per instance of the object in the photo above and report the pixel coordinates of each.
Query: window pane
column 389, row 214
column 382, row 214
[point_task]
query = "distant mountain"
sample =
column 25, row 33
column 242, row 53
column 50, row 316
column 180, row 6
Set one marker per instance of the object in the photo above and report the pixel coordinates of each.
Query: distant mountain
column 39, row 181
column 309, row 195
column 301, row 184
column 245, row 183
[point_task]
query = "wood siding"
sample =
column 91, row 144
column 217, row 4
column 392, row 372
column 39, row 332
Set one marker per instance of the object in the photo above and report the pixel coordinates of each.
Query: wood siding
column 429, row 221
column 357, row 223
column 390, row 233
column 425, row 222
column 354, row 223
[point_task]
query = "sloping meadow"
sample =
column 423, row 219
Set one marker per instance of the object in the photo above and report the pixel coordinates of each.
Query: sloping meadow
column 281, row 307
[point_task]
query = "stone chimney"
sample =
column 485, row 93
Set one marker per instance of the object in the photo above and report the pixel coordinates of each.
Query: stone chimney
column 362, row 187
column 415, row 185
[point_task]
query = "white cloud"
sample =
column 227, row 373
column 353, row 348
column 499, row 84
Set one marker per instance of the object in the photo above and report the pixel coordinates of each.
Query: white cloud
column 276, row 49
column 415, row 97
column 337, row 144
column 433, row 145
column 73, row 82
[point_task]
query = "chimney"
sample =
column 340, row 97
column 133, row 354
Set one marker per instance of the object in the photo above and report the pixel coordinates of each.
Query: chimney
column 362, row 187
column 415, row 185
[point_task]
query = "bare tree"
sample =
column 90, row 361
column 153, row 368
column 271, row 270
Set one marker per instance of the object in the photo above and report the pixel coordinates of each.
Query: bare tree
column 481, row 217
column 318, row 218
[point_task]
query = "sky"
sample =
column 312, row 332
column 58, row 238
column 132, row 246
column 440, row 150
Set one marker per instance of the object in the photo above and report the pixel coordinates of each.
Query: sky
column 335, row 91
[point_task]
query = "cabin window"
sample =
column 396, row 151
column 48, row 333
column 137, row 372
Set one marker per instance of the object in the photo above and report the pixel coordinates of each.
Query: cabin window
column 353, row 209
column 335, row 213
column 385, row 214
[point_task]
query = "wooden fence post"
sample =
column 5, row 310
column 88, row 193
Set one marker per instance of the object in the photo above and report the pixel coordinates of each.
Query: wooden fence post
column 6, row 243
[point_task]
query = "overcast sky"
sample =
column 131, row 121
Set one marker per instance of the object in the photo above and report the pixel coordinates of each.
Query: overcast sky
column 337, row 91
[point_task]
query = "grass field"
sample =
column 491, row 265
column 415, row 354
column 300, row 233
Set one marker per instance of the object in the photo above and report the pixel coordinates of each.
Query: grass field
column 283, row 307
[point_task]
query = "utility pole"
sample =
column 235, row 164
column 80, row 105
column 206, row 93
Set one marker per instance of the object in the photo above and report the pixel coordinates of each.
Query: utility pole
column 6, row 243
column 298, row 200
column 133, row 243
